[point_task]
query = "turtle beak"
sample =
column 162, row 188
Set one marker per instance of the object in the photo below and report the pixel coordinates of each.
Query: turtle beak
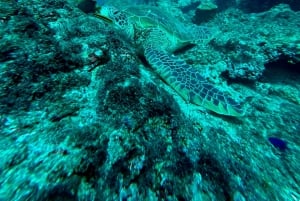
column 102, row 17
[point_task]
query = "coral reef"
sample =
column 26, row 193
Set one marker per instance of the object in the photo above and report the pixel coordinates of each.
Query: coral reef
column 246, row 43
column 83, row 117
column 258, row 6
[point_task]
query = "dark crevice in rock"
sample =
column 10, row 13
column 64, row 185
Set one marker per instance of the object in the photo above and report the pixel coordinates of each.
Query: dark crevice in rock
column 281, row 71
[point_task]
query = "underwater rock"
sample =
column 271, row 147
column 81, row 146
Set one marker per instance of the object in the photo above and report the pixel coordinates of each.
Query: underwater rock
column 87, row 6
column 251, row 41
column 207, row 5
column 8, row 9
column 246, row 71
column 255, row 6
column 205, row 11
column 82, row 117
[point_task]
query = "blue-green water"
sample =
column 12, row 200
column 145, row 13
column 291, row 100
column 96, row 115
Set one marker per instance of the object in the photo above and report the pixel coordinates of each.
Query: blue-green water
column 156, row 100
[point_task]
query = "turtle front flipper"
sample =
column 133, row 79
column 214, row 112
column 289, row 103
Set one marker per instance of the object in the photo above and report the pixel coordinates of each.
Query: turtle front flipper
column 200, row 33
column 188, row 82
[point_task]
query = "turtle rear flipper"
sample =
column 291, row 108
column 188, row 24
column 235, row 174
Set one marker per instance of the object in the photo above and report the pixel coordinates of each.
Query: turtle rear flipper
column 188, row 82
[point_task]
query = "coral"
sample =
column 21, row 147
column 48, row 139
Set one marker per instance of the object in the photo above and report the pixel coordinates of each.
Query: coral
column 246, row 71
column 82, row 117
column 258, row 6
column 250, row 42
column 207, row 5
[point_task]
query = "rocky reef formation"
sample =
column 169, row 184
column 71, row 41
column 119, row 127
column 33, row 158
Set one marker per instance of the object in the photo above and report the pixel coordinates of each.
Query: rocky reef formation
column 83, row 117
column 257, row 6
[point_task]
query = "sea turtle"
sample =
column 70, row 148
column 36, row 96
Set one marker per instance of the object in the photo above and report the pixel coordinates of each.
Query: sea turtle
column 157, row 35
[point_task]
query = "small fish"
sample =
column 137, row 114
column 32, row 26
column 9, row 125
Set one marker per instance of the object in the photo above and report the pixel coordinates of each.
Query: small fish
column 278, row 143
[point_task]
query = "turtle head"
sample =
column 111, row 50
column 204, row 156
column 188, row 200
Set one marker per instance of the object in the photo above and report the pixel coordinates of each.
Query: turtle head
column 116, row 17
column 111, row 15
column 105, row 13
